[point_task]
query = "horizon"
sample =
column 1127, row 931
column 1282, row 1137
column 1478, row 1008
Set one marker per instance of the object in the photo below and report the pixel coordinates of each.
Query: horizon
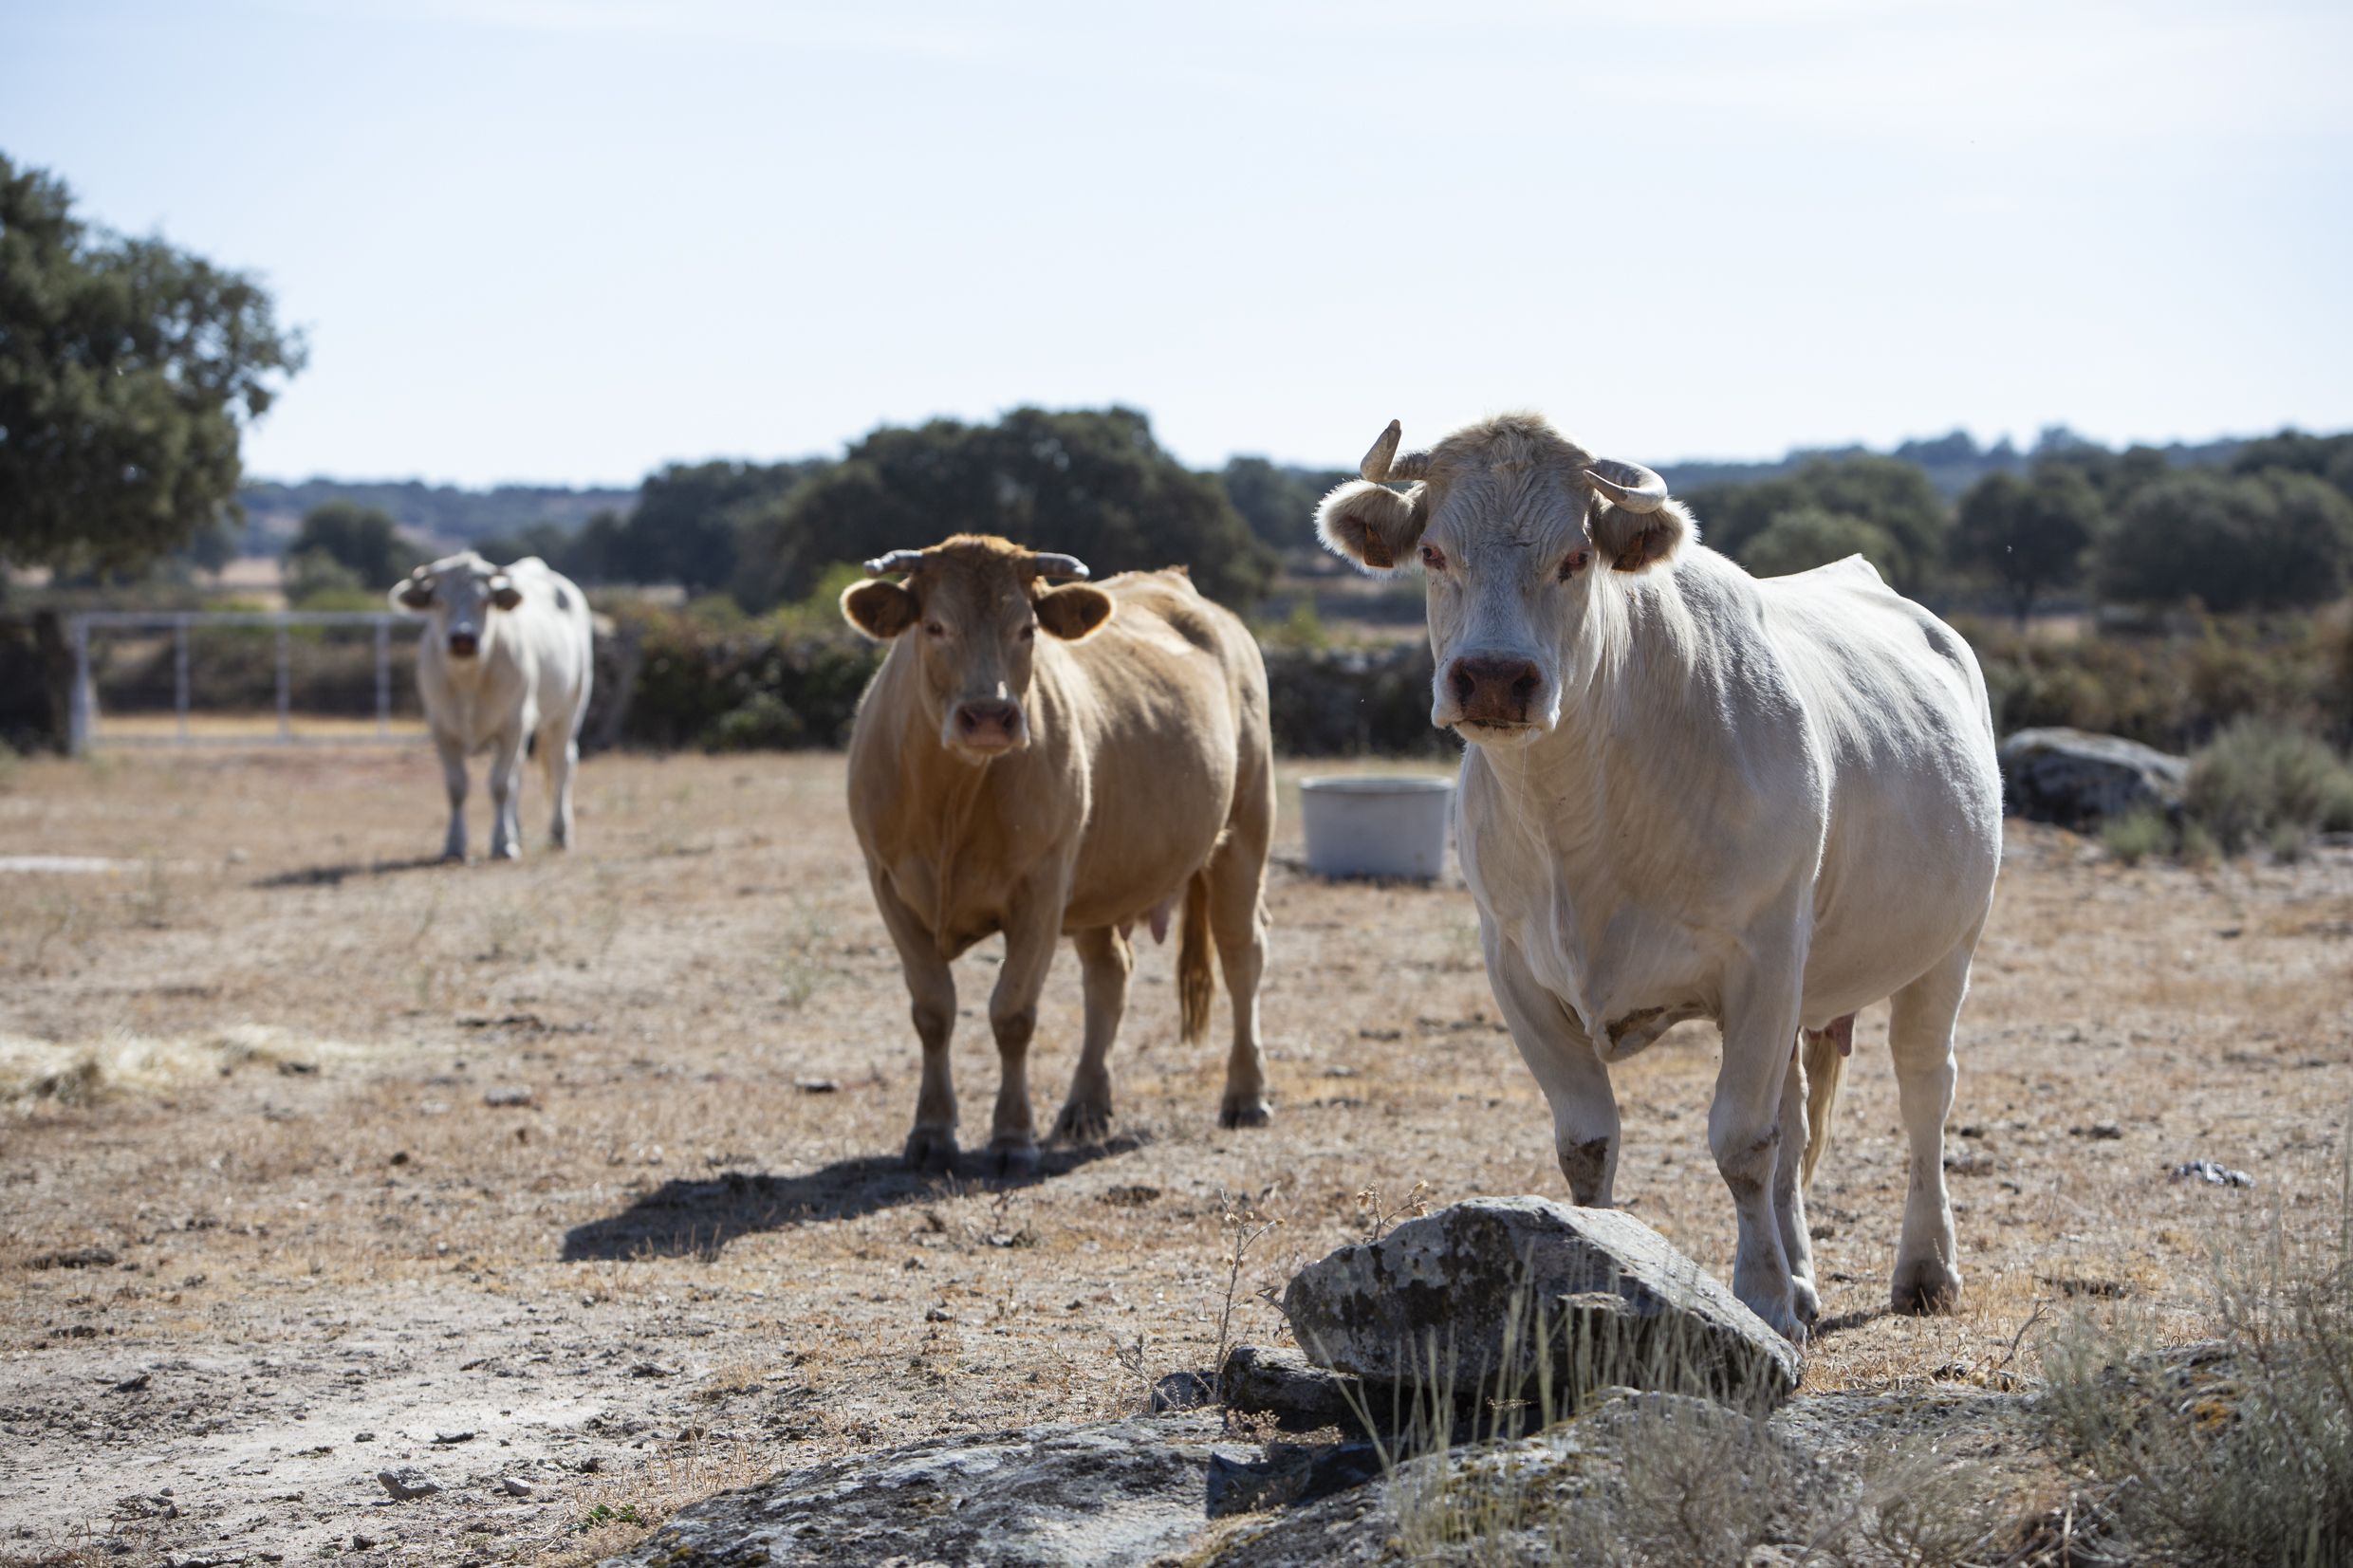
column 581, row 239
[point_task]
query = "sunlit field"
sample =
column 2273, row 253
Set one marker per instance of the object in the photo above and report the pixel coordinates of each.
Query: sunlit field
column 318, row 1158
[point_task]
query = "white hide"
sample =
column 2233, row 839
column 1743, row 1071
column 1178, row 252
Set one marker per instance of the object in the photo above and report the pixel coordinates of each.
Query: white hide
column 1767, row 802
column 527, row 681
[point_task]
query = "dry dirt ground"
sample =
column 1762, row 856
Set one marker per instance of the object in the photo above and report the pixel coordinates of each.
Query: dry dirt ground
column 317, row 1158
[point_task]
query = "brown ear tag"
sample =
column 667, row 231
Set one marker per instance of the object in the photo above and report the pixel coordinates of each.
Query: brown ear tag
column 1375, row 552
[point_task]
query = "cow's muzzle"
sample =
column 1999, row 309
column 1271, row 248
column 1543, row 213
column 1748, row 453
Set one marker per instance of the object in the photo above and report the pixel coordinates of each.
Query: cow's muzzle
column 1492, row 691
column 464, row 645
column 988, row 725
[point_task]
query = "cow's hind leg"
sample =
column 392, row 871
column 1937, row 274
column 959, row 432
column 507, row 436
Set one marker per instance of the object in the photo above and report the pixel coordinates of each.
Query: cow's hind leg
column 1238, row 918
column 1920, row 1036
column 454, row 776
column 559, row 754
column 931, row 987
column 1104, row 962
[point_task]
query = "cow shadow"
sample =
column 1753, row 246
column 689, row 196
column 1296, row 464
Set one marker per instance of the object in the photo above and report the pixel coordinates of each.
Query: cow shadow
column 697, row 1219
column 327, row 877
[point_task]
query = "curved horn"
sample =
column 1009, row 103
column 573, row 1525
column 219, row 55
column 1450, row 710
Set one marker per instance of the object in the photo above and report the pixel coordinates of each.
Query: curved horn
column 897, row 560
column 1627, row 484
column 1383, row 462
column 1058, row 566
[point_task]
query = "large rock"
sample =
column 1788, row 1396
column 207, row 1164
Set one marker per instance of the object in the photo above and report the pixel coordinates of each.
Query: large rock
column 1514, row 1298
column 1125, row 1492
column 2079, row 780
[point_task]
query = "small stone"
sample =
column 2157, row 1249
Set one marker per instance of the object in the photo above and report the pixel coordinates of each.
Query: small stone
column 363, row 1543
column 363, row 1437
column 514, row 1485
column 509, row 1096
column 400, row 1157
column 939, row 1315
column 1134, row 1195
column 407, row 1482
column 651, row 1369
column 447, row 1438
column 2099, row 1130
column 2213, row 1173
column 816, row 1085
column 131, row 1384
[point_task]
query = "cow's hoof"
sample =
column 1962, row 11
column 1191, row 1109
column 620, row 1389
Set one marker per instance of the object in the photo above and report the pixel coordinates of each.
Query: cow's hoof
column 1254, row 1113
column 1807, row 1303
column 507, row 852
column 452, row 857
column 1082, row 1123
column 1013, row 1159
column 931, row 1148
column 1924, row 1287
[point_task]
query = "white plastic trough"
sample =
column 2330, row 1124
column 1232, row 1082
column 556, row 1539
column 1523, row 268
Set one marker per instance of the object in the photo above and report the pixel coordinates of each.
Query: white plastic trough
column 1373, row 827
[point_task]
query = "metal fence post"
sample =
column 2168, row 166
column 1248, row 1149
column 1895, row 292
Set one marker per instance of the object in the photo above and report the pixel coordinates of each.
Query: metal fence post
column 383, row 678
column 286, row 689
column 180, row 674
column 82, row 709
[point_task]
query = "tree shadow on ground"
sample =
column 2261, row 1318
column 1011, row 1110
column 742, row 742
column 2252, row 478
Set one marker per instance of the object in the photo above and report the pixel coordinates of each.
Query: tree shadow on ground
column 327, row 877
column 686, row 1219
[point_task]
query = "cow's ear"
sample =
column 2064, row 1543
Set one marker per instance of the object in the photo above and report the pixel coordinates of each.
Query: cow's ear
column 1635, row 541
column 880, row 609
column 413, row 592
column 504, row 593
column 1372, row 525
column 1074, row 612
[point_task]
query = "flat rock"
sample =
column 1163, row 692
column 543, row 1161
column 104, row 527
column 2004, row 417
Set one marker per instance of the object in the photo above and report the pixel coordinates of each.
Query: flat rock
column 1122, row 1492
column 407, row 1482
column 2078, row 778
column 1451, row 1304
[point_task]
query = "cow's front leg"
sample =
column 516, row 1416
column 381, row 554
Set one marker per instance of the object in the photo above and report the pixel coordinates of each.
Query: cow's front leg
column 1797, row 1246
column 454, row 775
column 1032, row 928
column 1745, row 1130
column 506, row 766
column 1570, row 1072
column 931, row 987
column 1105, row 960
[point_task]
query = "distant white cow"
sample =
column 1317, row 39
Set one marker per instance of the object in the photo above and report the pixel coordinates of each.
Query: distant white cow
column 506, row 658
column 1693, row 794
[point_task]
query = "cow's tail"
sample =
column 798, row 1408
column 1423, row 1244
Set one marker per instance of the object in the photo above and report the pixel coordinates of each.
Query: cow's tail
column 1824, row 1054
column 1196, row 984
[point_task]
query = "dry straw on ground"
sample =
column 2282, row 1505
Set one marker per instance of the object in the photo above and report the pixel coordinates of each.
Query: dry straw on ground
column 539, row 1152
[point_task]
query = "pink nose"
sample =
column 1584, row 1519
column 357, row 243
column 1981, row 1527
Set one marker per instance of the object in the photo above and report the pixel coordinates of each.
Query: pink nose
column 988, row 725
column 462, row 644
column 1493, row 690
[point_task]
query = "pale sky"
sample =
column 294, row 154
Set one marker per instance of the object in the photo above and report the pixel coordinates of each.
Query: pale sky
column 567, row 240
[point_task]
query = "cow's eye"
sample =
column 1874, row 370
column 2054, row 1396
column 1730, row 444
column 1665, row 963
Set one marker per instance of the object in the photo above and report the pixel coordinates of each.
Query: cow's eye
column 1574, row 562
column 932, row 628
column 1027, row 633
column 1434, row 558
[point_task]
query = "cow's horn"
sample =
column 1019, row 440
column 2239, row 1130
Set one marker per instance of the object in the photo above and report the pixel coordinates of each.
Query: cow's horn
column 1383, row 462
column 897, row 560
column 1058, row 566
column 1627, row 484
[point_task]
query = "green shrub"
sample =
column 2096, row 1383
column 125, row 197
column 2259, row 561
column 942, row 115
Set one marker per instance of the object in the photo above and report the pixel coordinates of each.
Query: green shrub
column 2137, row 834
column 2260, row 779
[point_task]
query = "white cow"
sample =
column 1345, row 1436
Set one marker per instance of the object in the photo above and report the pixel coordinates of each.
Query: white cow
column 506, row 658
column 1693, row 794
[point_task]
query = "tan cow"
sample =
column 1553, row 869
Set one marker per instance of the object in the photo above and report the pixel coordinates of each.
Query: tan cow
column 1072, row 784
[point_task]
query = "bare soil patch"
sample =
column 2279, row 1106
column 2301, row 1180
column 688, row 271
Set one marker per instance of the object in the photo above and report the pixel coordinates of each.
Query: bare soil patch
column 318, row 1159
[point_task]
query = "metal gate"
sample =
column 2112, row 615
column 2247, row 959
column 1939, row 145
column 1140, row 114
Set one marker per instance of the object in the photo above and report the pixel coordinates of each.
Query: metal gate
column 87, row 729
